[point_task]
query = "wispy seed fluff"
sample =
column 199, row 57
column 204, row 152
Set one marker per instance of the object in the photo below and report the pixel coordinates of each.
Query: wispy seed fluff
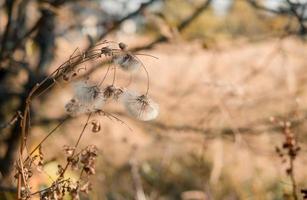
column 87, row 98
column 140, row 106
column 127, row 62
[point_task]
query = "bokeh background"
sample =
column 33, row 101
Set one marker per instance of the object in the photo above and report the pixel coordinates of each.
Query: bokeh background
column 226, row 70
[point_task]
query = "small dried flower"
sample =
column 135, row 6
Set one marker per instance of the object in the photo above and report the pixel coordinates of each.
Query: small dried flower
column 86, row 187
column 140, row 106
column 127, row 62
column 87, row 158
column 111, row 92
column 68, row 150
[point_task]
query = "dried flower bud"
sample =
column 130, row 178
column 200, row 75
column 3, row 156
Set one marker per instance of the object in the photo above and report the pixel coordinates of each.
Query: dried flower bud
column 140, row 106
column 68, row 150
column 112, row 92
column 96, row 126
column 66, row 77
column 86, row 187
column 122, row 46
column 127, row 62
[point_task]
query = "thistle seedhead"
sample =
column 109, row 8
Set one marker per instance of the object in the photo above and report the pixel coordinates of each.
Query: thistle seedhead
column 127, row 62
column 88, row 93
column 87, row 98
column 140, row 106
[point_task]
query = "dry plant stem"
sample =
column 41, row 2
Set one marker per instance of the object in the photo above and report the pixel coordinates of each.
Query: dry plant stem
column 144, row 54
column 147, row 75
column 46, row 137
column 114, row 75
column 46, row 189
column 143, row 66
column 75, row 147
column 25, row 121
column 105, row 76
column 293, row 181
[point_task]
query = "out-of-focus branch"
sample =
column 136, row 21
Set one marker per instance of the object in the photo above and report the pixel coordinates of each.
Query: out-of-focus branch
column 297, row 16
column 256, row 127
column 291, row 11
column 117, row 23
column 256, row 5
column 186, row 22
column 9, row 8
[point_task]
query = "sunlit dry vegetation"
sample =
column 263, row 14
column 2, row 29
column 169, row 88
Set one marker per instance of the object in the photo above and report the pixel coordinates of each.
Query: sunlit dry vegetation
column 153, row 99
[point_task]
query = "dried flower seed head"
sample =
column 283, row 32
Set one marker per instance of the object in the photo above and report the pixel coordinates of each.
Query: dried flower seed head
column 127, row 62
column 111, row 92
column 140, row 106
column 87, row 158
column 106, row 51
column 75, row 108
column 87, row 93
column 87, row 98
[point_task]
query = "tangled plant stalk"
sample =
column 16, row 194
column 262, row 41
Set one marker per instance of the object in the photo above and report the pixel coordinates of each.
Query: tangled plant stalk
column 89, row 99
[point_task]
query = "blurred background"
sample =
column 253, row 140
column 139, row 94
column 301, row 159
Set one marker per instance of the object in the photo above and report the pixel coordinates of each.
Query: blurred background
column 229, row 74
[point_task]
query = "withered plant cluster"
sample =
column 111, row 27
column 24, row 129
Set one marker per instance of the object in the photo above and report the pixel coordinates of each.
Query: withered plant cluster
column 89, row 99
column 288, row 151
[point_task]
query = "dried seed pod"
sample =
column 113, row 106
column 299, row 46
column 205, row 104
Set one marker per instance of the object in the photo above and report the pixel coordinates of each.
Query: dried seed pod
column 95, row 126
column 140, row 106
column 127, row 62
column 122, row 46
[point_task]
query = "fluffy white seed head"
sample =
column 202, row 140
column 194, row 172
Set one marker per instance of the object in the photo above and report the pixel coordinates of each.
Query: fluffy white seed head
column 87, row 98
column 75, row 108
column 140, row 106
column 87, row 93
column 127, row 62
